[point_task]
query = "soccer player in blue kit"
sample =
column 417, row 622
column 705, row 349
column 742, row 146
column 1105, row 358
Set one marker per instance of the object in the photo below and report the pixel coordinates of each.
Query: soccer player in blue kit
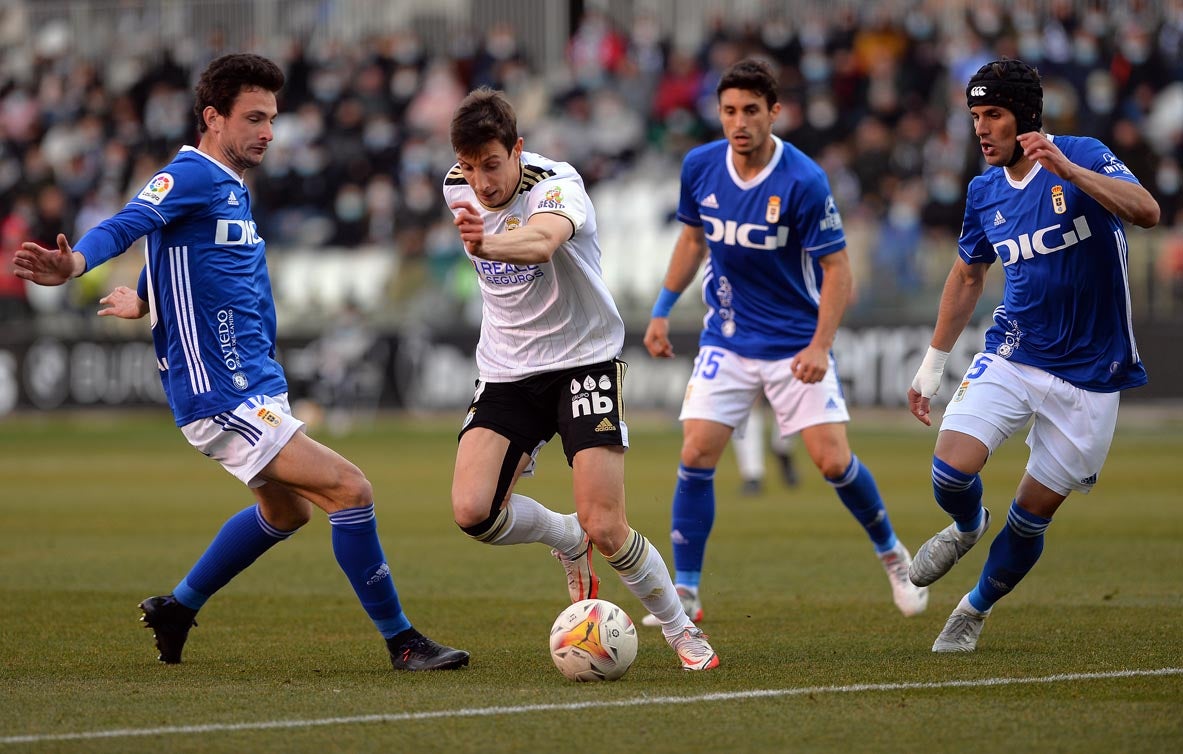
column 776, row 285
column 1061, row 348
column 207, row 289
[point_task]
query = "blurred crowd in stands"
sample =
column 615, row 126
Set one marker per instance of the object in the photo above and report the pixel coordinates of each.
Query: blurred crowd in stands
column 361, row 143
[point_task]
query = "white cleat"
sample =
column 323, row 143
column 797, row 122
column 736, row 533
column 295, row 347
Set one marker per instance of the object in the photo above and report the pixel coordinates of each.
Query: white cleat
column 939, row 554
column 962, row 630
column 909, row 598
column 582, row 581
column 694, row 650
column 690, row 603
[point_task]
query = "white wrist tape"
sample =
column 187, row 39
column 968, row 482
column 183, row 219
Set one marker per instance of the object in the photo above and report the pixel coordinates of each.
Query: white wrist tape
column 928, row 378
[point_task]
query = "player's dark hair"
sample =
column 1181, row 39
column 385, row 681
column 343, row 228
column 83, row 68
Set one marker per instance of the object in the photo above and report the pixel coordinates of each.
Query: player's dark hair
column 224, row 79
column 484, row 115
column 751, row 75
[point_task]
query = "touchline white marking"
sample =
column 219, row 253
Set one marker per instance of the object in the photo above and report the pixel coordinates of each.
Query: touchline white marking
column 722, row 696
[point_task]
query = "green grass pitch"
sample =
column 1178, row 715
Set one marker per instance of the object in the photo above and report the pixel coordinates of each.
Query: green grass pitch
column 98, row 512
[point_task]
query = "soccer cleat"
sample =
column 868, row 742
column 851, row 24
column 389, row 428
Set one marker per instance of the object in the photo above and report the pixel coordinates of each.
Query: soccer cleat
column 936, row 556
column 909, row 598
column 421, row 653
column 962, row 630
column 751, row 488
column 694, row 650
column 690, row 603
column 170, row 622
column 582, row 581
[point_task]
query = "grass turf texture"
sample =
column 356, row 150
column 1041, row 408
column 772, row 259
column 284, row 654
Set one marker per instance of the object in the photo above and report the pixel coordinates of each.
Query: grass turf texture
column 98, row 513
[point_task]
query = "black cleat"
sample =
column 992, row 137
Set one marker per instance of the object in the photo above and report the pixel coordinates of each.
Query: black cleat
column 170, row 622
column 752, row 488
column 788, row 470
column 421, row 653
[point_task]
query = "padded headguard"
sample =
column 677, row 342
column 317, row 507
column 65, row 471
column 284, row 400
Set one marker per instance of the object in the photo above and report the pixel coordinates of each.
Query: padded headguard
column 1011, row 84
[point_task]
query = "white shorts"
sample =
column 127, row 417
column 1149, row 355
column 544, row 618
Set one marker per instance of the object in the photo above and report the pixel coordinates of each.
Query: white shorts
column 1072, row 431
column 724, row 385
column 246, row 439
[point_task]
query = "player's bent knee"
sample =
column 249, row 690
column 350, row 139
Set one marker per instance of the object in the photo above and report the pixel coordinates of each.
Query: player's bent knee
column 483, row 530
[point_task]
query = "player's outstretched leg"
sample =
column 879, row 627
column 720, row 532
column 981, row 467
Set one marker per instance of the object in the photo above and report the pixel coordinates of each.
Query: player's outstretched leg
column 242, row 539
column 359, row 553
column 643, row 571
column 858, row 491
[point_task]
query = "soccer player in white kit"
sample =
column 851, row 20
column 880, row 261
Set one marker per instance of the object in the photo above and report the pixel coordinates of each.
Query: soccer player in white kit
column 547, row 361
column 776, row 285
column 1061, row 349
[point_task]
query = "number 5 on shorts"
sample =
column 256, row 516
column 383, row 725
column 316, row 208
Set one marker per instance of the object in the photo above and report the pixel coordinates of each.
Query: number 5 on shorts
column 706, row 364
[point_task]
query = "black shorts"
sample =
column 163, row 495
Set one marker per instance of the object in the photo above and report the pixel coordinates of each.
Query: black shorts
column 584, row 405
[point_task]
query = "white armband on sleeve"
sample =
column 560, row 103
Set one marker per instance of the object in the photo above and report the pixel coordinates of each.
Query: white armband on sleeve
column 928, row 378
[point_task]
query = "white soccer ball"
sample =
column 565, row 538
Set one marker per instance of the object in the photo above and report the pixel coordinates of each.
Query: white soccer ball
column 593, row 640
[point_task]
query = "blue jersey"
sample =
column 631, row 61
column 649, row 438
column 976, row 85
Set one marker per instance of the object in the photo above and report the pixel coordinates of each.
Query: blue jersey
column 213, row 316
column 1066, row 305
column 762, row 282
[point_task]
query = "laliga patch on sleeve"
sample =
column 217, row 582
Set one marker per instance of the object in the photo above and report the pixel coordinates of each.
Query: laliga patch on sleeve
column 157, row 188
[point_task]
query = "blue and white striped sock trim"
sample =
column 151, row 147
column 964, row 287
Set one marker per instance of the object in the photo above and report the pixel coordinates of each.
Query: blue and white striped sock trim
column 1026, row 523
column 948, row 478
column 352, row 516
column 270, row 530
column 849, row 475
column 689, row 472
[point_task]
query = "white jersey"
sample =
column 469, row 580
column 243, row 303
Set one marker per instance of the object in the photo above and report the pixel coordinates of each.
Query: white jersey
column 542, row 317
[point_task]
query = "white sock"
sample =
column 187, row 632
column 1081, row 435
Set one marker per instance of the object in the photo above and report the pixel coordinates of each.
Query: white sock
column 531, row 521
column 643, row 571
column 749, row 449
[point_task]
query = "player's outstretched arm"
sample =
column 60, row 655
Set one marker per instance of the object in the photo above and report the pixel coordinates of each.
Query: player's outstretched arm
column 1129, row 201
column 124, row 303
column 962, row 290
column 43, row 266
column 689, row 253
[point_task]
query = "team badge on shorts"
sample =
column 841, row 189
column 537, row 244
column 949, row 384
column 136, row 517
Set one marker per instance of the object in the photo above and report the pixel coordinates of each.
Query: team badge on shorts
column 269, row 418
column 961, row 391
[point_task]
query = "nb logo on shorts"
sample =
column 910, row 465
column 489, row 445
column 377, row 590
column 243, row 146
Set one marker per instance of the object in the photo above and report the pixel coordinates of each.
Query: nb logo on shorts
column 586, row 404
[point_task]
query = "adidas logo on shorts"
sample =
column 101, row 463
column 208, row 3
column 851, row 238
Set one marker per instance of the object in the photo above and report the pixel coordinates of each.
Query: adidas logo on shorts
column 605, row 426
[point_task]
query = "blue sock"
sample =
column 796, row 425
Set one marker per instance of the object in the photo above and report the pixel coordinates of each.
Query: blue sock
column 959, row 494
column 359, row 553
column 1012, row 554
column 242, row 539
column 857, row 490
column 693, row 517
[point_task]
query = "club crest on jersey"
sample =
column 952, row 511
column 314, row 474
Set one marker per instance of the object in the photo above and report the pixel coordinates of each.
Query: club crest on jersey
column 240, row 381
column 1058, row 204
column 269, row 418
column 772, row 211
column 553, row 199
column 157, row 188
column 513, row 222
